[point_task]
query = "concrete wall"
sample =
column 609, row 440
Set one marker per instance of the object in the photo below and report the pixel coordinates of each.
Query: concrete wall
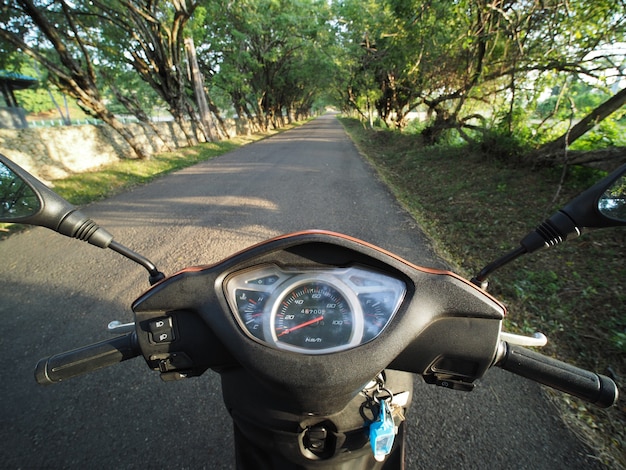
column 56, row 152
column 13, row 118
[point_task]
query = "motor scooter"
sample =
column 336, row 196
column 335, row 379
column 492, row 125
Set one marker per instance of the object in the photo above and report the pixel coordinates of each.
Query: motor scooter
column 317, row 335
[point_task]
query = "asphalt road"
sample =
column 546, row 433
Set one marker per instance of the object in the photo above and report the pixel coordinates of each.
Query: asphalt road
column 57, row 294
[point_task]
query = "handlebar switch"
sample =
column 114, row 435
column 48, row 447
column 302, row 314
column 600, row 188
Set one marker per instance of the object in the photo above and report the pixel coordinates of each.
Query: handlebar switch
column 172, row 361
column 162, row 330
column 453, row 372
column 449, row 382
column 178, row 343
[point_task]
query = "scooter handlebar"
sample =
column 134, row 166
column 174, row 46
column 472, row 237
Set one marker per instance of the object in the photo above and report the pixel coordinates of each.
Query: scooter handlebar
column 594, row 388
column 86, row 359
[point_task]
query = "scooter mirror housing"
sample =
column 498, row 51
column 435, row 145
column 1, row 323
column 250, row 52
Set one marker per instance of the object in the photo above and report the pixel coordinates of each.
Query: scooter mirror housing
column 612, row 204
column 602, row 205
column 24, row 199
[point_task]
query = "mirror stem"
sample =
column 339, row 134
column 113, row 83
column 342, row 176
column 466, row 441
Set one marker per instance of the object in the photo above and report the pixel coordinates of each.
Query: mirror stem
column 551, row 232
column 155, row 274
column 480, row 278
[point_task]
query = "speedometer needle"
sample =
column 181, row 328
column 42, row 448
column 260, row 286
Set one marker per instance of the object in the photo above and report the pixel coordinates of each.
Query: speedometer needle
column 302, row 325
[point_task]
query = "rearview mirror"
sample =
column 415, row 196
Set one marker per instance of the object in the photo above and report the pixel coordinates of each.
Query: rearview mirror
column 18, row 201
column 602, row 205
column 612, row 203
column 25, row 199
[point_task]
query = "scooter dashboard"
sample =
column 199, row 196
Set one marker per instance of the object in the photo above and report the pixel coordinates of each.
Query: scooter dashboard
column 313, row 311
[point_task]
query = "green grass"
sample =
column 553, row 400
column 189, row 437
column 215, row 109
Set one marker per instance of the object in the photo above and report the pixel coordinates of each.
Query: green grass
column 84, row 188
column 477, row 209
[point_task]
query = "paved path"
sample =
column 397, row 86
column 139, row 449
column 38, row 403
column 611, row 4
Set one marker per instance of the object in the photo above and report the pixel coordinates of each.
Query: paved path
column 57, row 294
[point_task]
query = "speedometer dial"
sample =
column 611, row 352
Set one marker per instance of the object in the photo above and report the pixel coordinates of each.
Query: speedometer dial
column 313, row 315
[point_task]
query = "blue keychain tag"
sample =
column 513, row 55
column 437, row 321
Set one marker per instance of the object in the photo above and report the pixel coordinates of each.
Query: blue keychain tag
column 382, row 433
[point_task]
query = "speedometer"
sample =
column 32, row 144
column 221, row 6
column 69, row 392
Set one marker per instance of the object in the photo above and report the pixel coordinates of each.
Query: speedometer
column 315, row 315
column 313, row 311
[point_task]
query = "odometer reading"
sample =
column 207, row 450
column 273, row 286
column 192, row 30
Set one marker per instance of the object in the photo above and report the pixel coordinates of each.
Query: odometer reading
column 313, row 315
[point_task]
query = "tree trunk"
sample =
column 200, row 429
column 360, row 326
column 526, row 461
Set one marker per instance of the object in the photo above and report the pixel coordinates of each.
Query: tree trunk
column 198, row 86
column 606, row 159
column 74, row 76
column 128, row 136
column 99, row 110
column 587, row 123
column 216, row 114
column 443, row 121
column 179, row 118
column 131, row 104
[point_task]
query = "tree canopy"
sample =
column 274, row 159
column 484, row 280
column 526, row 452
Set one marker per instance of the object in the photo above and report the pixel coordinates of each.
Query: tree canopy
column 523, row 71
column 480, row 67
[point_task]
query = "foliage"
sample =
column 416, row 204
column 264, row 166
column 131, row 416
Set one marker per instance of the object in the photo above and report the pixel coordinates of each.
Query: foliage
column 270, row 56
column 469, row 60
column 37, row 100
column 477, row 67
column 609, row 133
column 130, row 85
column 580, row 98
column 503, row 145
column 62, row 41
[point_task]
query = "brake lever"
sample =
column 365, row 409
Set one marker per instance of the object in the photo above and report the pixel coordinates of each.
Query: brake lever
column 116, row 327
column 537, row 340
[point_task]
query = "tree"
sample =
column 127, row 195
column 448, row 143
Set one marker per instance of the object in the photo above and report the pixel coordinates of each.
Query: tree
column 473, row 64
column 262, row 53
column 555, row 150
column 63, row 49
column 148, row 36
column 134, row 96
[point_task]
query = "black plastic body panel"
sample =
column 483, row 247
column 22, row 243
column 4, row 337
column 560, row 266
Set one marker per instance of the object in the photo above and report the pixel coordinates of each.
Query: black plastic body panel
column 441, row 317
column 268, row 434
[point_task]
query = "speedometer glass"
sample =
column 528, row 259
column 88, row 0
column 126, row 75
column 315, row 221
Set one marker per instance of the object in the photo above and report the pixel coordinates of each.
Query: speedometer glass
column 313, row 311
column 314, row 315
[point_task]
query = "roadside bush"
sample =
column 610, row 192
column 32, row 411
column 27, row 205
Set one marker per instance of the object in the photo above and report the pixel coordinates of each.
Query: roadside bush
column 503, row 145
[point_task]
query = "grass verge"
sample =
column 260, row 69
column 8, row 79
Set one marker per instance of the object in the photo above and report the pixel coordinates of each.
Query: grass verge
column 477, row 209
column 84, row 188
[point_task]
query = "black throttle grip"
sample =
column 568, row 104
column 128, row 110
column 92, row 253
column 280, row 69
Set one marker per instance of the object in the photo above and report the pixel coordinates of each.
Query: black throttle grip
column 589, row 386
column 86, row 359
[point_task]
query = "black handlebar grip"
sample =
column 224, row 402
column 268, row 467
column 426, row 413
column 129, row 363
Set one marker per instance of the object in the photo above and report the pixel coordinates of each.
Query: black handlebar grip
column 86, row 359
column 594, row 388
